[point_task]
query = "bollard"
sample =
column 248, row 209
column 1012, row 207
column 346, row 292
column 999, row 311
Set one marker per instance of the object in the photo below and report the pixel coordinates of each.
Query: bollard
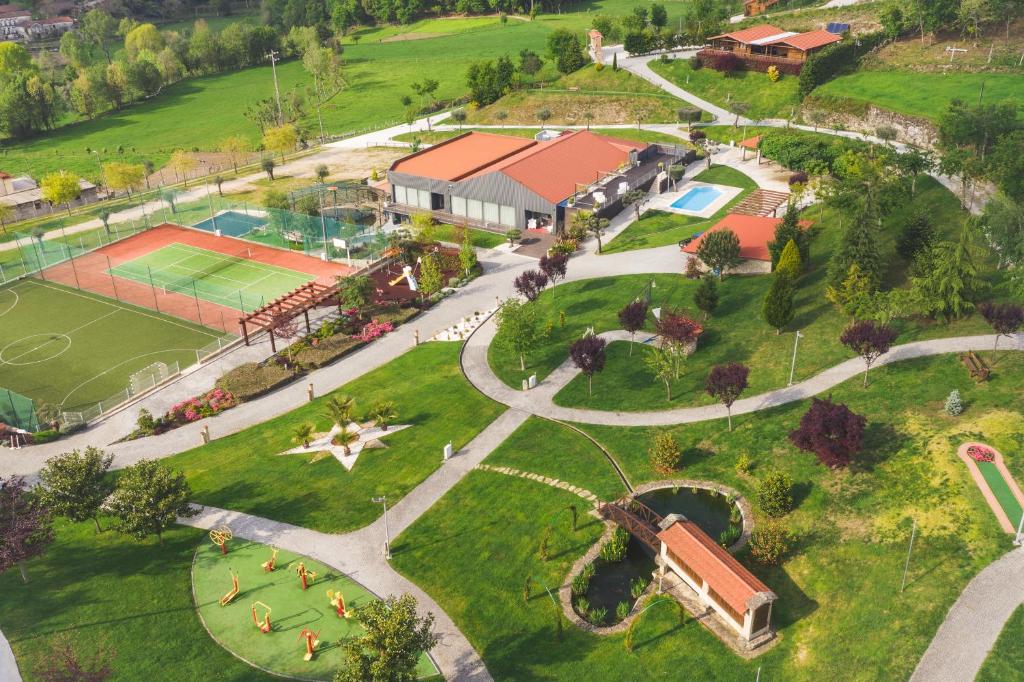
column 416, row 338
column 533, row 381
column 206, row 434
column 526, row 385
column 309, row 391
column 448, row 452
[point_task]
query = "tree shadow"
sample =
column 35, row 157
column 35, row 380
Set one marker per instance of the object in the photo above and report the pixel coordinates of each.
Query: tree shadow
column 801, row 491
column 880, row 440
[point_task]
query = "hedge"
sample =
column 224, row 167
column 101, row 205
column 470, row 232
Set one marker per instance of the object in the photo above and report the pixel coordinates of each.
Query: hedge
column 253, row 379
column 327, row 350
column 807, row 152
column 835, row 59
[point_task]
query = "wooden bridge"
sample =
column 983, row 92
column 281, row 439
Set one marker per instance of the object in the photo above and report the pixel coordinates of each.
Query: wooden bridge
column 635, row 517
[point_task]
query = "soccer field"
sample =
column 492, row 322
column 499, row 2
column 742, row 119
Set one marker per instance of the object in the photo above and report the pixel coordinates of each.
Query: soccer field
column 234, row 280
column 73, row 348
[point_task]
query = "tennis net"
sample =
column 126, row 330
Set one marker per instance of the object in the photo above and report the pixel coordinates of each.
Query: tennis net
column 186, row 283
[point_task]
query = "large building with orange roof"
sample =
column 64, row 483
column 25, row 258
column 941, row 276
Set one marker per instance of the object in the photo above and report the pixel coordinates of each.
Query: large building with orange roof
column 500, row 182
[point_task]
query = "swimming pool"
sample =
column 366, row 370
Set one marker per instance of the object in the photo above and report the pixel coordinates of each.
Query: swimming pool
column 697, row 199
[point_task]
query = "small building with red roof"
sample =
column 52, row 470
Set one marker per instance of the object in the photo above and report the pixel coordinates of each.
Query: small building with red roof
column 500, row 182
column 754, row 233
column 765, row 45
column 717, row 579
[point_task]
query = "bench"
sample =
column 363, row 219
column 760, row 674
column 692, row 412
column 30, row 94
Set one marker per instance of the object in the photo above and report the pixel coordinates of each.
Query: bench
column 976, row 367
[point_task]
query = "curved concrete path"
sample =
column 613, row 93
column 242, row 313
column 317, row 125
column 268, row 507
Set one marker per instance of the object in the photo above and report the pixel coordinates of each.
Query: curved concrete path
column 8, row 666
column 974, row 622
column 540, row 400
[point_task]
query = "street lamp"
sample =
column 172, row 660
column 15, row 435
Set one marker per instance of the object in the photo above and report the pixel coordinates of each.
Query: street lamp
column 387, row 534
column 792, row 366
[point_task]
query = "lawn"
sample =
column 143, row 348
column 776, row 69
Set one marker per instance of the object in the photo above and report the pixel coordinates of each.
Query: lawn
column 852, row 529
column 932, row 91
column 482, row 239
column 661, row 228
column 109, row 590
column 1005, row 663
column 72, row 348
column 735, row 332
column 764, row 98
column 244, row 471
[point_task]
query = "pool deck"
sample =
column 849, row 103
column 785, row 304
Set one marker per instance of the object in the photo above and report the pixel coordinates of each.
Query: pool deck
column 663, row 202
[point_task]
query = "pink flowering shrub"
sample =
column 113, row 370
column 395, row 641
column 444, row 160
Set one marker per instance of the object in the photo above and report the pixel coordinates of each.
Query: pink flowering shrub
column 374, row 329
column 980, row 453
column 194, row 409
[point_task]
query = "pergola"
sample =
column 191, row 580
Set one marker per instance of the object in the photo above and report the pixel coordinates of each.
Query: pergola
column 288, row 306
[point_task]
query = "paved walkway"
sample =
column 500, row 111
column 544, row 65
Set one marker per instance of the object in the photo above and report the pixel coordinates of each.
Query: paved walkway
column 975, row 621
column 540, row 400
column 8, row 666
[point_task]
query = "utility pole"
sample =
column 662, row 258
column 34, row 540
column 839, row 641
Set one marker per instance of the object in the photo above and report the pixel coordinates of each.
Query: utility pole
column 277, row 90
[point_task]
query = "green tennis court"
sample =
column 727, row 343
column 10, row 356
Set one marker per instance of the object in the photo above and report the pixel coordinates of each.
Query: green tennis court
column 233, row 280
column 75, row 349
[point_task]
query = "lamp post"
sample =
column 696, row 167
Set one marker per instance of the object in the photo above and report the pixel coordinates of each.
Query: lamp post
column 1019, row 540
column 792, row 365
column 383, row 499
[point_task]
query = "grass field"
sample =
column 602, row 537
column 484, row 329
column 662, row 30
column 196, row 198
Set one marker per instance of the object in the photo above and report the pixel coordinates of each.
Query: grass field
column 932, row 92
column 482, row 239
column 763, row 98
column 642, row 135
column 73, row 349
column 661, row 228
column 1005, row 663
column 292, row 609
column 233, row 281
column 246, row 472
column 851, row 532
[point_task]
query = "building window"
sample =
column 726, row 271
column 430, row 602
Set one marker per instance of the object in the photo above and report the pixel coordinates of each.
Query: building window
column 508, row 216
column 475, row 209
column 424, row 199
column 490, row 212
column 400, row 195
column 459, row 205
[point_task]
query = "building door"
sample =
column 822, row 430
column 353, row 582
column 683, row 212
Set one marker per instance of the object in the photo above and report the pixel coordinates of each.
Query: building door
column 760, row 620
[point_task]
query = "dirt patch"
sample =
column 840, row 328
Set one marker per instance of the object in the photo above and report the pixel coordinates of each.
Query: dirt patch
column 578, row 109
column 402, row 37
column 991, row 51
column 207, row 163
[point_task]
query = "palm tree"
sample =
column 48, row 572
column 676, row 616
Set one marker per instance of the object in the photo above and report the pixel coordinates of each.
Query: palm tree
column 104, row 217
column 339, row 410
column 268, row 167
column 303, row 433
column 322, row 171
column 219, row 180
column 382, row 413
column 345, row 439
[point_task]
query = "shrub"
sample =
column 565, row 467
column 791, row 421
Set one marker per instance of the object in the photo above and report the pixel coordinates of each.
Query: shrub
column 637, row 586
column 770, row 542
column 597, row 615
column 579, row 585
column 773, row 73
column 954, row 406
column 697, row 135
column 835, row 59
column 622, row 610
column 725, row 62
column 615, row 549
column 453, row 282
column 775, row 493
column 831, row 431
column 582, row 606
column 744, row 464
column 798, row 178
column 145, row 424
column 729, row 536
column 47, row 436
column 375, row 329
column 252, row 379
column 695, row 63
column 327, row 350
column 664, row 453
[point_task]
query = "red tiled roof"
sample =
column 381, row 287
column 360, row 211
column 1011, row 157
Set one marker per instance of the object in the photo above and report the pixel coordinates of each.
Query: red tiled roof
column 551, row 169
column 754, row 233
column 54, row 20
column 808, row 41
column 460, row 156
column 750, row 34
column 724, row 574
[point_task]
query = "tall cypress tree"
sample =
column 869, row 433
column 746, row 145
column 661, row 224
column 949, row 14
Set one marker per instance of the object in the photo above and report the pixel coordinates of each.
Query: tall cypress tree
column 789, row 229
column 859, row 244
column 778, row 308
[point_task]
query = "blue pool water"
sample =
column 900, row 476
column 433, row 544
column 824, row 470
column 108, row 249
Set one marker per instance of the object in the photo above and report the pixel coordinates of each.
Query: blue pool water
column 697, row 199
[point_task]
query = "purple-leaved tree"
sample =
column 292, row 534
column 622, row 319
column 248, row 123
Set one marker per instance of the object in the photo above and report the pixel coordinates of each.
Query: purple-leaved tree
column 870, row 340
column 632, row 319
column 588, row 356
column 725, row 383
column 530, row 284
column 554, row 265
column 1004, row 318
column 25, row 525
column 831, row 431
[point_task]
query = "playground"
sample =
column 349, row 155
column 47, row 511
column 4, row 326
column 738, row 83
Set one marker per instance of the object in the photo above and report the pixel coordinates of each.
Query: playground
column 276, row 610
column 74, row 349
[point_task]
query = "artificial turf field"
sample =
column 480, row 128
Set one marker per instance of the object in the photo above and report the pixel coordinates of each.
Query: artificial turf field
column 230, row 280
column 73, row 348
column 292, row 609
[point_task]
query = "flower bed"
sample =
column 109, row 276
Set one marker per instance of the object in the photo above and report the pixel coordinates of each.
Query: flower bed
column 980, row 453
column 196, row 408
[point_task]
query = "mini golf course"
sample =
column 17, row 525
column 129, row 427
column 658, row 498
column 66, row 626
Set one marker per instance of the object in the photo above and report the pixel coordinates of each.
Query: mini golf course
column 281, row 650
column 1001, row 491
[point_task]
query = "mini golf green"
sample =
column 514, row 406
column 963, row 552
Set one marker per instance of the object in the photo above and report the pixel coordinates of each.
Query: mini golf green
column 281, row 650
column 1001, row 489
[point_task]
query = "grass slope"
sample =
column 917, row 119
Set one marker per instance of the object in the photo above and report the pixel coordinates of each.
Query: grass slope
column 642, row 135
column 661, row 228
column 764, row 98
column 244, row 471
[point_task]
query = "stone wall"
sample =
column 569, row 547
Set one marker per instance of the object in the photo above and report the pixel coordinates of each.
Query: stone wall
column 909, row 129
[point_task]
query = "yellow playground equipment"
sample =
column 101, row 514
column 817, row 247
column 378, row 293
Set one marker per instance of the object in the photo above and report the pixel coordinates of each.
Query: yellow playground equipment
column 264, row 625
column 312, row 641
column 337, row 600
column 269, row 565
column 227, row 598
column 305, row 576
column 220, row 536
column 408, row 276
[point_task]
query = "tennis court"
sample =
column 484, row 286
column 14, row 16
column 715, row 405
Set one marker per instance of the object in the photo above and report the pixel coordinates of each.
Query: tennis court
column 232, row 280
column 232, row 223
column 74, row 349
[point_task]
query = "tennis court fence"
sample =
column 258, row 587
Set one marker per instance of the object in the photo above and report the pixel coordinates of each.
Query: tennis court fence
column 18, row 411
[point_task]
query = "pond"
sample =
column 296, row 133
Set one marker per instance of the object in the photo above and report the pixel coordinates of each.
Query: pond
column 611, row 582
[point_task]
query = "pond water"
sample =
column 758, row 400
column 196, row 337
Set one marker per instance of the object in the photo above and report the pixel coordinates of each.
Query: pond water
column 610, row 584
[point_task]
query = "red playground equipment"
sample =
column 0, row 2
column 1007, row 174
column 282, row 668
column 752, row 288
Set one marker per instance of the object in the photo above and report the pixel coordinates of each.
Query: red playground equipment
column 312, row 641
column 220, row 536
column 264, row 626
column 269, row 565
column 307, row 577
column 227, row 598
column 337, row 600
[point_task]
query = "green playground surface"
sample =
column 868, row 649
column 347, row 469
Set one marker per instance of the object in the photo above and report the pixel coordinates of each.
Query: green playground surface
column 1001, row 489
column 281, row 650
column 232, row 280
column 72, row 348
